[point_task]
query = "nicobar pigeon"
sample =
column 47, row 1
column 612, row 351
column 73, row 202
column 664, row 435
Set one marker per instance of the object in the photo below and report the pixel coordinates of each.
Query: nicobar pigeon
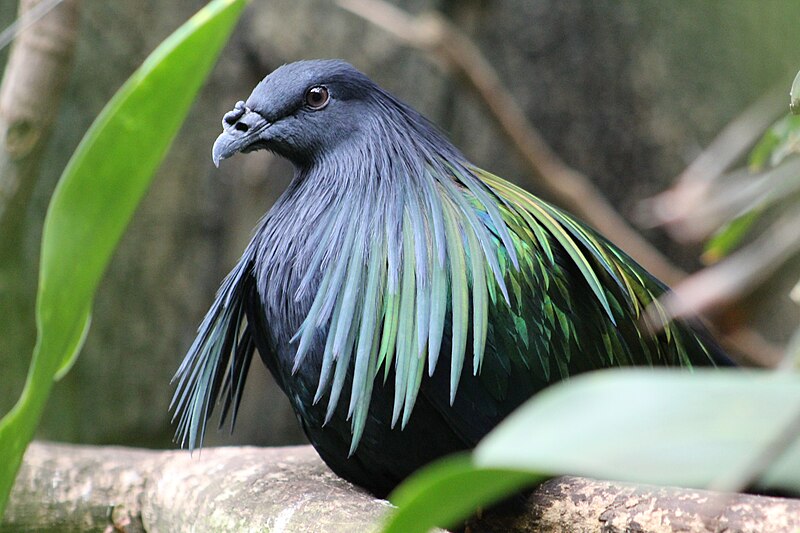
column 404, row 299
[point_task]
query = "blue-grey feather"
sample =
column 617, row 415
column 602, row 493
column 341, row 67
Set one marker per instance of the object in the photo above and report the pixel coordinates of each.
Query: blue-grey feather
column 308, row 330
column 350, row 296
column 467, row 212
column 327, row 356
column 490, row 204
column 210, row 367
column 339, row 272
column 342, row 367
column 423, row 268
column 366, row 346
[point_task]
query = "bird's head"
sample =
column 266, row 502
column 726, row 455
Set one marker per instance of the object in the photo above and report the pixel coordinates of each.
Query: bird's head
column 299, row 111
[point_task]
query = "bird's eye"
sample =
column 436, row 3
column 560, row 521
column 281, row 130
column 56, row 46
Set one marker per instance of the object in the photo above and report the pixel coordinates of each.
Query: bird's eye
column 317, row 97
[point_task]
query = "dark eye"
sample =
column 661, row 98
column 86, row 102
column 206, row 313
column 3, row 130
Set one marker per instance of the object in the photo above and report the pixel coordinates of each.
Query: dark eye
column 317, row 97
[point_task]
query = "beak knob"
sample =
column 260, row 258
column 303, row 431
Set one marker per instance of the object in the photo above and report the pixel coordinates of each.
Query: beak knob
column 241, row 127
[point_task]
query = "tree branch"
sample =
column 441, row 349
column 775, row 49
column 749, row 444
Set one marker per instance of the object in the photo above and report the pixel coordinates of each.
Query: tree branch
column 88, row 488
column 569, row 504
column 111, row 489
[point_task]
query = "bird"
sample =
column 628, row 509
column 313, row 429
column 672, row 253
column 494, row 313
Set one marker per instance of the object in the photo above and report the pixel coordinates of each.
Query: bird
column 404, row 299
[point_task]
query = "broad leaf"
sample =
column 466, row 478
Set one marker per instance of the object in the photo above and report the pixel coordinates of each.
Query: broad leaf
column 94, row 201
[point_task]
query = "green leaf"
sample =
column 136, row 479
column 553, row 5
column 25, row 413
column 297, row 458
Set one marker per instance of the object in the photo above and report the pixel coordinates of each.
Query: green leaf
column 71, row 355
column 448, row 492
column 794, row 95
column 94, row 201
column 729, row 236
column 665, row 427
column 782, row 139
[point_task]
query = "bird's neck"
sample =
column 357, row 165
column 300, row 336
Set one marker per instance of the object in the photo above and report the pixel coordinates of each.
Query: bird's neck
column 361, row 194
column 314, row 215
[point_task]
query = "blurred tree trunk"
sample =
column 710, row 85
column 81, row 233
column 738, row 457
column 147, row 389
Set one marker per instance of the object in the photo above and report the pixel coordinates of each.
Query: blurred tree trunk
column 627, row 92
column 30, row 93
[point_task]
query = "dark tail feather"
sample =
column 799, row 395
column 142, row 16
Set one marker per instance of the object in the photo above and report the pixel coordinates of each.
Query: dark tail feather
column 217, row 361
column 232, row 392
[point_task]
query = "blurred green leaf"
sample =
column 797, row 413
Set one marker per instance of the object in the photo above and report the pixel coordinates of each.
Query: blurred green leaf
column 94, row 200
column 448, row 492
column 794, row 95
column 729, row 236
column 781, row 140
column 667, row 427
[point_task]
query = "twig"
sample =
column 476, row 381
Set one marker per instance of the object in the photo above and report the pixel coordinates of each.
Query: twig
column 433, row 34
column 752, row 347
column 26, row 19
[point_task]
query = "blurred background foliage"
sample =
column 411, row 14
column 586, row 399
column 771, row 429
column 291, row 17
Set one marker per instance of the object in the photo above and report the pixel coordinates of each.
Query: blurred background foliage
column 629, row 93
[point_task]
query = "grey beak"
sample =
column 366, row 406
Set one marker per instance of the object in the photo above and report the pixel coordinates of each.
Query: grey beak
column 241, row 129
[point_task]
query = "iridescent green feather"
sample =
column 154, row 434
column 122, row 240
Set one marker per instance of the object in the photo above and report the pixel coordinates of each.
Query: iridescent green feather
column 596, row 258
column 391, row 310
column 438, row 271
column 543, row 215
column 406, row 337
column 480, row 304
column 459, row 294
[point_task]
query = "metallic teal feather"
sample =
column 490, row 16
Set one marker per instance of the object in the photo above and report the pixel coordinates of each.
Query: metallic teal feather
column 366, row 348
column 458, row 295
column 406, row 338
column 391, row 310
column 480, row 304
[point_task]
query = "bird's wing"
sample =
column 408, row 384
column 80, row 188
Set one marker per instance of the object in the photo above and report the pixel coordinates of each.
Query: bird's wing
column 582, row 294
column 216, row 364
